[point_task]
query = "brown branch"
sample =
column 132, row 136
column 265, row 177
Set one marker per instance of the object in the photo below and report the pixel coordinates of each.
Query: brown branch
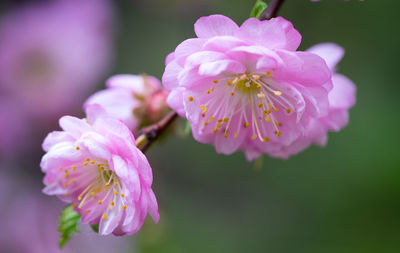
column 152, row 132
column 272, row 10
column 149, row 134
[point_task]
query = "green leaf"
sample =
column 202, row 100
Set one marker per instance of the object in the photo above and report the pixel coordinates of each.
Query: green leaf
column 95, row 228
column 258, row 8
column 68, row 224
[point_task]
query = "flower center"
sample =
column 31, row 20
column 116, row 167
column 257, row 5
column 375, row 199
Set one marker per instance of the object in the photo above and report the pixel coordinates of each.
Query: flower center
column 94, row 183
column 245, row 100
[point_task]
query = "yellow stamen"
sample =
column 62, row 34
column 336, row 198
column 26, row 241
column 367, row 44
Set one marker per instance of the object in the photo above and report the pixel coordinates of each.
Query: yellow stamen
column 266, row 139
column 190, row 99
column 254, row 136
column 288, row 110
column 215, row 81
column 85, row 190
column 124, row 207
column 77, row 148
column 99, row 202
column 277, row 92
column 236, row 135
column 104, row 216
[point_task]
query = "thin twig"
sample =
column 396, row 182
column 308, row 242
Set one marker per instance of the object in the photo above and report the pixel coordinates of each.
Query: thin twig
column 272, row 10
column 149, row 134
column 152, row 132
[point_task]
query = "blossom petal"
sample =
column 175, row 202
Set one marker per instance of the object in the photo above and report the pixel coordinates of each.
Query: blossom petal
column 273, row 33
column 217, row 67
column 330, row 52
column 215, row 25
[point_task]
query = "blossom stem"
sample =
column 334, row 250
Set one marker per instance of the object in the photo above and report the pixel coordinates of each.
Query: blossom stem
column 149, row 134
column 271, row 10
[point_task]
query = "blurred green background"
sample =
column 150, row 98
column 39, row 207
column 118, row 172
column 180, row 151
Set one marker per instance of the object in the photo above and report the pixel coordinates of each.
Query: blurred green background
column 341, row 198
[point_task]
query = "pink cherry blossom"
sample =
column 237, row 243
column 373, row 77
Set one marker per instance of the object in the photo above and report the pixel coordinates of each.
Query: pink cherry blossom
column 341, row 98
column 95, row 165
column 135, row 99
column 53, row 53
column 247, row 88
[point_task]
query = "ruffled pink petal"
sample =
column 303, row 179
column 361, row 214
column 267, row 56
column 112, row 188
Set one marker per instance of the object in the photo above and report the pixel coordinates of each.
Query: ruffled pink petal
column 228, row 146
column 343, row 94
column 305, row 68
column 56, row 137
column 144, row 169
column 188, row 47
column 276, row 33
column 218, row 67
column 74, row 126
column 175, row 101
column 215, row 25
column 118, row 103
column 170, row 57
column 255, row 57
column 201, row 57
column 330, row 52
column 139, row 84
column 152, row 205
column 96, row 144
column 169, row 78
column 95, row 111
column 223, row 43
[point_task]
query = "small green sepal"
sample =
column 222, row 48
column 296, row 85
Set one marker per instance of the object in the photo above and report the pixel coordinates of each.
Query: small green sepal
column 68, row 224
column 258, row 9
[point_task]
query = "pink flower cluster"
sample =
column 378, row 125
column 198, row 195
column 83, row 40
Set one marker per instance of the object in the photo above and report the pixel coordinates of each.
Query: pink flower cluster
column 247, row 88
column 95, row 165
column 241, row 88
